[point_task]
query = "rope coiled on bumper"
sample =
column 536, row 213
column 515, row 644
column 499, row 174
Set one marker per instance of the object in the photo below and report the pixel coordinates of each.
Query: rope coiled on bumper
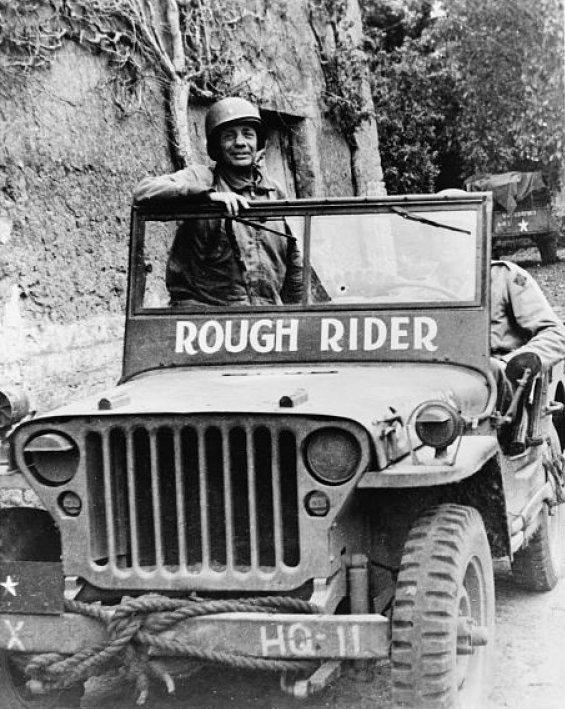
column 134, row 628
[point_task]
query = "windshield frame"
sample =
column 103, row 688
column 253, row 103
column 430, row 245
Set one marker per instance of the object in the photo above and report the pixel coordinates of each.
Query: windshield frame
column 187, row 208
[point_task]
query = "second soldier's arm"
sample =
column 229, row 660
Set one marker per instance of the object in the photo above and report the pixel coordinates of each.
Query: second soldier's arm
column 543, row 330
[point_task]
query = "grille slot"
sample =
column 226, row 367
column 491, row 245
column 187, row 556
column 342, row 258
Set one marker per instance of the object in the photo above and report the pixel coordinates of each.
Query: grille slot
column 210, row 496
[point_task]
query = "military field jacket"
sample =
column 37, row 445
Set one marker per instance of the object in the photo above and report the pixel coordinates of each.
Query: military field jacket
column 521, row 317
column 222, row 261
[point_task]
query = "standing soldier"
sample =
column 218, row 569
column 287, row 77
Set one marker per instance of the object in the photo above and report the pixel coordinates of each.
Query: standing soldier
column 224, row 261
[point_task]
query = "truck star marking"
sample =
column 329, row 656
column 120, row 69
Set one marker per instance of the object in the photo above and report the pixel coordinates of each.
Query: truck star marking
column 10, row 586
column 523, row 225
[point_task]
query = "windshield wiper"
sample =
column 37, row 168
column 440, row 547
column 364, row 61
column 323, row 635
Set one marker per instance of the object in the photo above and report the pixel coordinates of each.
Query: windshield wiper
column 258, row 225
column 397, row 210
column 416, row 218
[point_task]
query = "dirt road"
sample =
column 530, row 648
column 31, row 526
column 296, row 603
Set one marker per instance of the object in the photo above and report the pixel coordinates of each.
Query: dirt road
column 529, row 660
column 528, row 668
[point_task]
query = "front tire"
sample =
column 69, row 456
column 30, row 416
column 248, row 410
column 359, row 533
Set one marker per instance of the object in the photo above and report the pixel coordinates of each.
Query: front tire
column 537, row 566
column 445, row 583
column 14, row 693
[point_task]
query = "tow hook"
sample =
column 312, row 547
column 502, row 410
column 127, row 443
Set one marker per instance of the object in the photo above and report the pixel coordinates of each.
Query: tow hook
column 318, row 680
column 470, row 636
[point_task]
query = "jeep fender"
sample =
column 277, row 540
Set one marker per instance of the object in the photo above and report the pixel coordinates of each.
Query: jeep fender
column 474, row 479
column 472, row 455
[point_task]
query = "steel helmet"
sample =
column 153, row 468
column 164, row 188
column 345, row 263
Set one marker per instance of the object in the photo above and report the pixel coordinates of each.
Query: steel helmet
column 452, row 192
column 231, row 110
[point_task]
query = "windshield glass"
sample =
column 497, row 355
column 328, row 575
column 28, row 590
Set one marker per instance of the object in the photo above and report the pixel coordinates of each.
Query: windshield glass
column 371, row 259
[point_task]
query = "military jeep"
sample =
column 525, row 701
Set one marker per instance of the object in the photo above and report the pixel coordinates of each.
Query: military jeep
column 292, row 487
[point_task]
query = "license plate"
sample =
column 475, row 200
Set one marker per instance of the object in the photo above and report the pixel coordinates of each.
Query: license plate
column 335, row 637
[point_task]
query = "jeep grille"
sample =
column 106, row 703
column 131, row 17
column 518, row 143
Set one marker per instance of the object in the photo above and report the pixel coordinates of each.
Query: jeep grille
column 201, row 501
column 194, row 498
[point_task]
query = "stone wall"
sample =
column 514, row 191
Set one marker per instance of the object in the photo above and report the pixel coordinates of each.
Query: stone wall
column 69, row 159
column 68, row 165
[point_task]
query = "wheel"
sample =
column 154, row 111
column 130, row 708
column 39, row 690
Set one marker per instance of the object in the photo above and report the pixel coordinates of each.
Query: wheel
column 443, row 613
column 537, row 566
column 14, row 693
column 547, row 246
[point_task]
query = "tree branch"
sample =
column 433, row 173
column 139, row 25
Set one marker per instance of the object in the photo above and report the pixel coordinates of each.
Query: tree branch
column 173, row 19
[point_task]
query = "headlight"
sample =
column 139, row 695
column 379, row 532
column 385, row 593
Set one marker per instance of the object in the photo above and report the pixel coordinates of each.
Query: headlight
column 14, row 405
column 437, row 424
column 332, row 455
column 52, row 457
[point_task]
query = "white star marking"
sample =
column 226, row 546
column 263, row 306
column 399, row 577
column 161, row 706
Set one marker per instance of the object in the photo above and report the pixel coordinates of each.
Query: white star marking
column 14, row 643
column 523, row 225
column 10, row 586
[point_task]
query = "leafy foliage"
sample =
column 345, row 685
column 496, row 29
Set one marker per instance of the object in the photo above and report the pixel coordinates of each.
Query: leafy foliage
column 477, row 88
column 412, row 92
column 344, row 65
column 508, row 61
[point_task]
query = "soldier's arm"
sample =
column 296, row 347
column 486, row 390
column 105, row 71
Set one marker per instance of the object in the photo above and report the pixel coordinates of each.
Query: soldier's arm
column 535, row 316
column 193, row 180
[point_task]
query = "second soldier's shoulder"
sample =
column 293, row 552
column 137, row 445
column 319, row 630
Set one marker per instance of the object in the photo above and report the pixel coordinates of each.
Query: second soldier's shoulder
column 508, row 277
column 509, row 269
column 499, row 264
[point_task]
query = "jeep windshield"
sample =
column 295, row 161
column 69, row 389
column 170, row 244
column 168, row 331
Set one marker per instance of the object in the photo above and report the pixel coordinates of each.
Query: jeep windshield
column 365, row 253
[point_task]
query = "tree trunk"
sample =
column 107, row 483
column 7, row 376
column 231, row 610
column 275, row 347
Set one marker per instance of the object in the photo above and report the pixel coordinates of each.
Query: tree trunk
column 179, row 137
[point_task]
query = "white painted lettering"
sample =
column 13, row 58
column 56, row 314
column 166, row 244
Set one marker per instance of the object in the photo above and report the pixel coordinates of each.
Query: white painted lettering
column 300, row 640
column 243, row 335
column 186, row 332
column 211, row 337
column 425, row 330
column 356, row 635
column 353, row 323
column 342, row 641
column 15, row 643
column 369, row 343
column 398, row 330
column 262, row 342
column 277, row 641
column 331, row 333
column 288, row 329
column 281, row 335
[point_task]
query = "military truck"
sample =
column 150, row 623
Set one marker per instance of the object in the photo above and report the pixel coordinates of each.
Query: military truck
column 292, row 488
column 522, row 213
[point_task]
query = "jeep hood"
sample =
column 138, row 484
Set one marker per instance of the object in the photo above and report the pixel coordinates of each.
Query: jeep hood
column 371, row 394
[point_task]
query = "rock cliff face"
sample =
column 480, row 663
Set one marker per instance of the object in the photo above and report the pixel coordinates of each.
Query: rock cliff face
column 70, row 157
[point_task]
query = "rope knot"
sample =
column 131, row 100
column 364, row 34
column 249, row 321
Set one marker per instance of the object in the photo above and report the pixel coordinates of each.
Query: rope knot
column 135, row 628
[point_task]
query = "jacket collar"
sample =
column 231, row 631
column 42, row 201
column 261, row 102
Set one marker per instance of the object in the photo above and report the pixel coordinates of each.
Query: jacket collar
column 258, row 183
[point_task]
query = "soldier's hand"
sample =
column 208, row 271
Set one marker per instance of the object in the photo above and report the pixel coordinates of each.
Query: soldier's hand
column 231, row 200
column 517, row 365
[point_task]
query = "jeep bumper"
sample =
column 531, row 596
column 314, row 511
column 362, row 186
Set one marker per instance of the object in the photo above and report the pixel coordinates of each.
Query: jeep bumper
column 269, row 635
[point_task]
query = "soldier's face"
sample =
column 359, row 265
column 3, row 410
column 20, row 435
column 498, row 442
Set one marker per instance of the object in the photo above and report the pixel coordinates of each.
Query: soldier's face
column 238, row 145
